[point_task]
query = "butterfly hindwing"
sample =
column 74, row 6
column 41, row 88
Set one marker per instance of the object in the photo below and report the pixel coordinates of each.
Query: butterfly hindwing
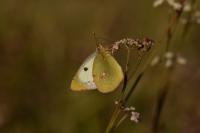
column 83, row 80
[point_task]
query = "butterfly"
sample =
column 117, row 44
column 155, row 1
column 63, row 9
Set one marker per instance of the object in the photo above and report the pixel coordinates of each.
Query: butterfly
column 99, row 71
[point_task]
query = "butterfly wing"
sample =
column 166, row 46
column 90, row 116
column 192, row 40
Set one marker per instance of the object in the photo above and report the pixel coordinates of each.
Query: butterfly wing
column 107, row 72
column 83, row 80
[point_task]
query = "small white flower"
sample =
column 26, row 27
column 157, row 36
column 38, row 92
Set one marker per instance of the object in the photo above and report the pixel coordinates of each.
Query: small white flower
column 155, row 61
column 157, row 3
column 169, row 55
column 116, row 46
column 196, row 17
column 116, row 102
column 183, row 20
column 174, row 4
column 169, row 63
column 197, row 14
column 198, row 21
column 132, row 108
column 127, row 109
column 180, row 60
column 130, row 111
column 134, row 116
column 187, row 7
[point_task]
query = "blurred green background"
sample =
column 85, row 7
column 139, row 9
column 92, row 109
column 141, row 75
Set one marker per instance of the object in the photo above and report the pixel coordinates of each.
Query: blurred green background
column 43, row 43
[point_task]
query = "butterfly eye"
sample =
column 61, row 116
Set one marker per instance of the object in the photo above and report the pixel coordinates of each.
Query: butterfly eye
column 85, row 68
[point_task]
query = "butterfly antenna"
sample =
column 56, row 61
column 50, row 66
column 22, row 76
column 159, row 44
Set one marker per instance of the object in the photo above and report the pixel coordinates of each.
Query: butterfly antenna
column 96, row 40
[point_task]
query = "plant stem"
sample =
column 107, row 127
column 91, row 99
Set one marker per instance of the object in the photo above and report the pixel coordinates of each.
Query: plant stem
column 133, row 88
column 113, row 119
column 117, row 111
column 160, row 103
column 164, row 91
column 125, row 72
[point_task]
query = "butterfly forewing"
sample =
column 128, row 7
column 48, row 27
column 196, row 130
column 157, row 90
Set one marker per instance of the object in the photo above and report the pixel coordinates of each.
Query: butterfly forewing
column 107, row 72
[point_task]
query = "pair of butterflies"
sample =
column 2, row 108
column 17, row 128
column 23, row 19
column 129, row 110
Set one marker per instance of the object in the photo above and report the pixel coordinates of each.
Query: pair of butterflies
column 99, row 71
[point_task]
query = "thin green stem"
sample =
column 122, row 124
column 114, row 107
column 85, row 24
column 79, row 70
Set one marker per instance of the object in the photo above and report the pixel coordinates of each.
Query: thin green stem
column 121, row 120
column 126, row 72
column 160, row 102
column 133, row 88
column 117, row 111
column 113, row 119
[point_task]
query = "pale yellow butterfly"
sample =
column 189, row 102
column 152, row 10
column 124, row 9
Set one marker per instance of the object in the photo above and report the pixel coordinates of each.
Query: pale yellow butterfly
column 99, row 71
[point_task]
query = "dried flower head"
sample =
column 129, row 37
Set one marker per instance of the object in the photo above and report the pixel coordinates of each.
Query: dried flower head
column 142, row 45
column 129, row 111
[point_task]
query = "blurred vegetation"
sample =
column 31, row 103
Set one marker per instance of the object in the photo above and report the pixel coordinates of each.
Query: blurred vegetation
column 43, row 43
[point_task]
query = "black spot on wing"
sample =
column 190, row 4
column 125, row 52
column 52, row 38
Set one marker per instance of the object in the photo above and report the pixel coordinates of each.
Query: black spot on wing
column 85, row 68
